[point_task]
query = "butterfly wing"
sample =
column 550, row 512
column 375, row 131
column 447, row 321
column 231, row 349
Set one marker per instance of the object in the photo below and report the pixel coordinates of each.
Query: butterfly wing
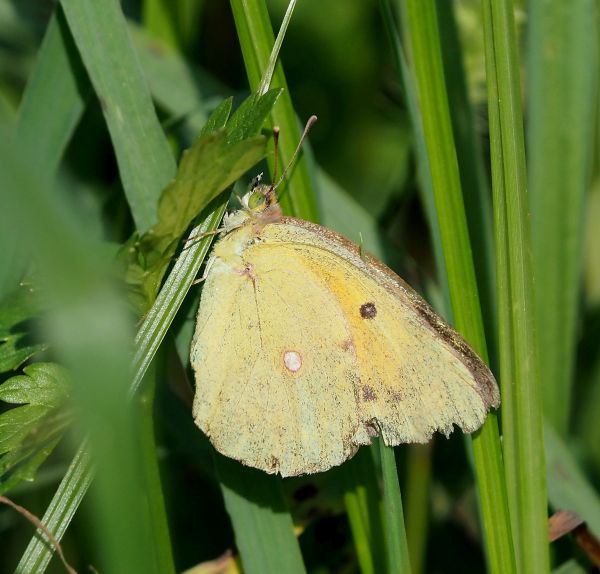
column 276, row 382
column 303, row 350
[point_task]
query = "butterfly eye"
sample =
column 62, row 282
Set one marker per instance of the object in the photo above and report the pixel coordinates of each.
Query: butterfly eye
column 256, row 198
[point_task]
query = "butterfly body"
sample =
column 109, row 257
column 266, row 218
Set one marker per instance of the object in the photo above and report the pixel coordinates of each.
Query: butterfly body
column 304, row 350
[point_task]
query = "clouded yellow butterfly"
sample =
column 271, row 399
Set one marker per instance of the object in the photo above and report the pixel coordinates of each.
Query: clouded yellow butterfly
column 304, row 349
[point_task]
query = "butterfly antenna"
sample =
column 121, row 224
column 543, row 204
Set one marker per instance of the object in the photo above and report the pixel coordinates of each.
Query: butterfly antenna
column 309, row 125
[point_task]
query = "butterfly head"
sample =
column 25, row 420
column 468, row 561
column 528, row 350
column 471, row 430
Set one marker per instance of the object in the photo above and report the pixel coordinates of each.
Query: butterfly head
column 260, row 205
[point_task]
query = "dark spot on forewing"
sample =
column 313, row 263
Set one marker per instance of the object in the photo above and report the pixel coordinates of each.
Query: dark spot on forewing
column 368, row 310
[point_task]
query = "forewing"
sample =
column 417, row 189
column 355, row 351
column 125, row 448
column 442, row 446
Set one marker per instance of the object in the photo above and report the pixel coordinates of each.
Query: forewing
column 416, row 375
column 277, row 376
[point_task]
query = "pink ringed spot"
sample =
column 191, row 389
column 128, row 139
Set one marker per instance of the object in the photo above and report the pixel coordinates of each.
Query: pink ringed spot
column 292, row 361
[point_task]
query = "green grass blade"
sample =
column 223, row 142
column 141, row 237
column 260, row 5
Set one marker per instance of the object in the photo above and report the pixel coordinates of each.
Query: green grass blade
column 58, row 83
column 362, row 499
column 425, row 187
column 354, row 503
column 267, row 75
column 143, row 413
column 397, row 546
column 78, row 289
column 417, row 489
column 146, row 164
column 164, row 68
column 444, row 171
column 461, row 276
column 175, row 23
column 60, row 512
column 150, row 335
column 561, row 98
column 159, row 19
column 264, row 531
column 521, row 394
column 475, row 187
column 256, row 39
column 158, row 320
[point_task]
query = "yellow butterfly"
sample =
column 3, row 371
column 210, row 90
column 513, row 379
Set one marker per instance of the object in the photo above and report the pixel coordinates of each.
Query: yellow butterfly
column 304, row 350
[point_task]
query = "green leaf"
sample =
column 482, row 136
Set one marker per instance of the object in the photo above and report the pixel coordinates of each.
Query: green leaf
column 14, row 351
column 251, row 115
column 22, row 465
column 218, row 119
column 16, row 309
column 262, row 523
column 206, row 169
column 219, row 157
column 17, row 423
column 29, row 433
column 43, row 384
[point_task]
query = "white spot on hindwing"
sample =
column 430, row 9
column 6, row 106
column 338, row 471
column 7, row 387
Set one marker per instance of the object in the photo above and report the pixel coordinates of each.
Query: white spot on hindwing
column 292, row 361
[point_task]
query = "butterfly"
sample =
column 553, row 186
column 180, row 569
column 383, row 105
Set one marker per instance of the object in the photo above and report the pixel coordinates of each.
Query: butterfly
column 305, row 349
